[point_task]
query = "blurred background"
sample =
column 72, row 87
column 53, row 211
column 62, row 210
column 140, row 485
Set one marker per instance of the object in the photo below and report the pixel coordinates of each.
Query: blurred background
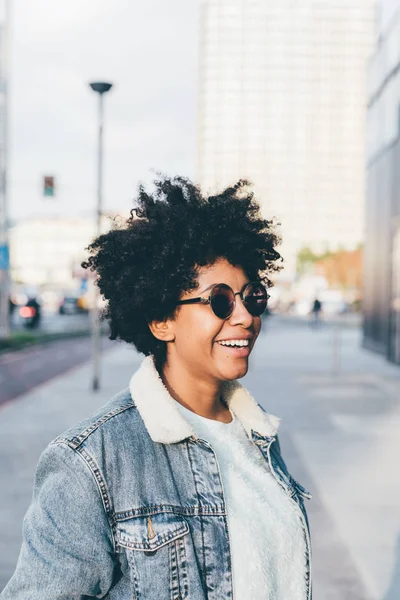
column 301, row 97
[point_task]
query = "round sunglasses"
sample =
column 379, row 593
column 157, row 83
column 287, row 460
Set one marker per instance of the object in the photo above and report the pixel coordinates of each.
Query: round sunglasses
column 222, row 299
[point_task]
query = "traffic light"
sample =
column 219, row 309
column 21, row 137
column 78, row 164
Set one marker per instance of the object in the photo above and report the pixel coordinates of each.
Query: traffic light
column 48, row 186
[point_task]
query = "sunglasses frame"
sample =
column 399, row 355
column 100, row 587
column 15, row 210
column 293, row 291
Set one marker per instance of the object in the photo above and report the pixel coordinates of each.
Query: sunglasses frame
column 208, row 300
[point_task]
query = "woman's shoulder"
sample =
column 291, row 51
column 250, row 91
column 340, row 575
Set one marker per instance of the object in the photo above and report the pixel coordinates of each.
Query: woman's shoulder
column 115, row 418
column 98, row 452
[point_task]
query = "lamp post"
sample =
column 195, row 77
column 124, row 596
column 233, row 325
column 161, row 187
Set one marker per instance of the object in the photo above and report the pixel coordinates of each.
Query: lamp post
column 100, row 87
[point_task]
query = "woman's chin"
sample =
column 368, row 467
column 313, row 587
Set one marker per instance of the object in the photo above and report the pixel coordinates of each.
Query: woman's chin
column 235, row 370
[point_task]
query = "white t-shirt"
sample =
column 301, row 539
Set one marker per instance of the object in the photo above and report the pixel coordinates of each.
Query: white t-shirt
column 266, row 536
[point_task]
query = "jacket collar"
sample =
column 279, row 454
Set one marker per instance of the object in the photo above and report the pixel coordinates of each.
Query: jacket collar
column 165, row 423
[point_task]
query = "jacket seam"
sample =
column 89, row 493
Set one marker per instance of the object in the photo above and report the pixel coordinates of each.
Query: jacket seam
column 102, row 488
column 201, row 517
column 77, row 440
column 156, row 509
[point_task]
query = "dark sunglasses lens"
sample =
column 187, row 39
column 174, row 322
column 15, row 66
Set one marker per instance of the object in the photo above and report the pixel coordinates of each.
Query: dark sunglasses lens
column 222, row 301
column 255, row 299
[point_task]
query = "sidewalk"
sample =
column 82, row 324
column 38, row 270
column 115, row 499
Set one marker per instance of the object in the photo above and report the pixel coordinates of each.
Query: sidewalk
column 339, row 436
column 30, row 422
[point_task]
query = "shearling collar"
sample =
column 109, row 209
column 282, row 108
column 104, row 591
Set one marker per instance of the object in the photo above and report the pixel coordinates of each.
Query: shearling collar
column 165, row 423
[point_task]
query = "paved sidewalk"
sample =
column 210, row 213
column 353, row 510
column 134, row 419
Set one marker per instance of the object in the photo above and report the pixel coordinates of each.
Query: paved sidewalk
column 30, row 422
column 339, row 437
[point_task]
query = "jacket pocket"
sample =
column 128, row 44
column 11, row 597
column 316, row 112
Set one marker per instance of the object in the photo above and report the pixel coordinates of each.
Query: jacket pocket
column 156, row 551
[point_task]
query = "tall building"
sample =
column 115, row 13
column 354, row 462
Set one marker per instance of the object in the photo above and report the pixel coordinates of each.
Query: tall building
column 282, row 103
column 382, row 246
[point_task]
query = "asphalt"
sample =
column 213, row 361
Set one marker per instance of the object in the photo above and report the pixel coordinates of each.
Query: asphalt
column 22, row 370
column 340, row 411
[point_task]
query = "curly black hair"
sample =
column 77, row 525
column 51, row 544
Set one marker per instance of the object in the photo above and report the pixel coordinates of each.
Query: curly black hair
column 146, row 263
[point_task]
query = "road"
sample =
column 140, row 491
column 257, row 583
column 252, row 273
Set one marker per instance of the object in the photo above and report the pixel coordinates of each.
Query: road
column 23, row 370
column 53, row 322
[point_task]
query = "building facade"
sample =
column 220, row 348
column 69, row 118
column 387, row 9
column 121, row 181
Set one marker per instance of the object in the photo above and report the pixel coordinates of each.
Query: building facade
column 47, row 252
column 282, row 103
column 382, row 246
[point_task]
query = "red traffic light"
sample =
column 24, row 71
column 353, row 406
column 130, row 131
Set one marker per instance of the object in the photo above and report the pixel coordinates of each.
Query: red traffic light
column 48, row 186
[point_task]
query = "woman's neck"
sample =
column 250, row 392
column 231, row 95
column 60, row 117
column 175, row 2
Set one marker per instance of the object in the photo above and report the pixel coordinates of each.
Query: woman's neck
column 195, row 393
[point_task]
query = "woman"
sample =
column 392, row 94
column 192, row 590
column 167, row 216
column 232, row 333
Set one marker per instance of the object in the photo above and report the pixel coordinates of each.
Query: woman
column 175, row 489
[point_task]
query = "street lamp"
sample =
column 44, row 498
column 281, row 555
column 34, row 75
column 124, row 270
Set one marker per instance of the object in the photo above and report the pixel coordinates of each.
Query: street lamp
column 100, row 87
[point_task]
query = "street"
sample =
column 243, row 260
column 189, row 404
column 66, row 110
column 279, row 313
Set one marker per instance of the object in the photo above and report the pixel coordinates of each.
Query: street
column 340, row 411
column 53, row 322
column 23, row 370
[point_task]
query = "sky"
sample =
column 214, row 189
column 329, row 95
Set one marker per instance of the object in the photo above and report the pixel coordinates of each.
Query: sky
column 149, row 50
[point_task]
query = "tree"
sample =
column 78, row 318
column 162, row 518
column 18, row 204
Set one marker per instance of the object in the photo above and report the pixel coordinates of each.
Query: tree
column 306, row 259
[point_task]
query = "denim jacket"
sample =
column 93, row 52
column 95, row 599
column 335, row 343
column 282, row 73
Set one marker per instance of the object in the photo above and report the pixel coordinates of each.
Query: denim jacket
column 129, row 504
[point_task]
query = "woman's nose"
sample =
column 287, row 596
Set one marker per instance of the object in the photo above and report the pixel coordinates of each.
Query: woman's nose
column 241, row 315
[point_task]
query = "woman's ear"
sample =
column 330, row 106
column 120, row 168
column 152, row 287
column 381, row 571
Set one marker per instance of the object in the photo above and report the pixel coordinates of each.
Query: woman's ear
column 162, row 330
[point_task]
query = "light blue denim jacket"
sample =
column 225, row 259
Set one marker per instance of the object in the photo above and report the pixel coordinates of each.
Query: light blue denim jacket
column 129, row 504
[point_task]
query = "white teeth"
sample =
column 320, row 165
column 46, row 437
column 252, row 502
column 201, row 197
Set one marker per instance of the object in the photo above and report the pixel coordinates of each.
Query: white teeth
column 234, row 343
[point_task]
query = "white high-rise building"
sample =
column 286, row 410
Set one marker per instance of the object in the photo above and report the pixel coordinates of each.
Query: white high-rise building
column 283, row 103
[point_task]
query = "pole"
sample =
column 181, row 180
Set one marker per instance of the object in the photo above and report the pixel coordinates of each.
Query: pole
column 4, row 217
column 96, row 338
column 100, row 87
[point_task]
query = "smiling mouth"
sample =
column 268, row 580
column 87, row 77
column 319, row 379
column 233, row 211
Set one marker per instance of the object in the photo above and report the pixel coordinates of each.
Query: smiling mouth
column 234, row 343
column 235, row 350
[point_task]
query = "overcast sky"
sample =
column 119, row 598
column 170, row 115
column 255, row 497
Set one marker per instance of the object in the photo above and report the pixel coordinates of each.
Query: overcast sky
column 148, row 49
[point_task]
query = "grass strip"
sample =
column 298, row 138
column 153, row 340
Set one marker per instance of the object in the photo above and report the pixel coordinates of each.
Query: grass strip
column 23, row 339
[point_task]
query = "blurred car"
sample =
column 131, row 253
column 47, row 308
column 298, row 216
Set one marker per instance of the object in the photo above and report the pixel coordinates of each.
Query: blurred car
column 301, row 308
column 332, row 307
column 333, row 304
column 72, row 304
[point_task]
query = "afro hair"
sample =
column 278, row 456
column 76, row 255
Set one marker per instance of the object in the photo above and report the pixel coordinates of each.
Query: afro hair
column 144, row 264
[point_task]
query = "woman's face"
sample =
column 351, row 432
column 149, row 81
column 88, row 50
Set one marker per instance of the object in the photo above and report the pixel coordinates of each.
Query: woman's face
column 198, row 331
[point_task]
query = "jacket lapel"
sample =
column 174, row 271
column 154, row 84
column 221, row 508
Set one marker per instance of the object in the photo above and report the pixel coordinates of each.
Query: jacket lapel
column 165, row 423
